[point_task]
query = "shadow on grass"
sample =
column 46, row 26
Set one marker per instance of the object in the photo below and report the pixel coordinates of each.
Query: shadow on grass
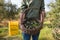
column 2, row 38
column 44, row 38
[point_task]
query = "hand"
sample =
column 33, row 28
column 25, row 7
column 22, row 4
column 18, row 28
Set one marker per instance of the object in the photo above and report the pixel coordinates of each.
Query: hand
column 41, row 26
column 22, row 27
column 34, row 31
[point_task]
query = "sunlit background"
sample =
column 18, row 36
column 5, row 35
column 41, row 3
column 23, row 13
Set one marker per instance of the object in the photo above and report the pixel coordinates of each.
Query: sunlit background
column 10, row 14
column 18, row 3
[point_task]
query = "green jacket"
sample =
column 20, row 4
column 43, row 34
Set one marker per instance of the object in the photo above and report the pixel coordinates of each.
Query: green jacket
column 32, row 8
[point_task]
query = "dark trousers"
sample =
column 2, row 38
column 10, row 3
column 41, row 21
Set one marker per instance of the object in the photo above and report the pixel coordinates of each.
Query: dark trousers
column 28, row 36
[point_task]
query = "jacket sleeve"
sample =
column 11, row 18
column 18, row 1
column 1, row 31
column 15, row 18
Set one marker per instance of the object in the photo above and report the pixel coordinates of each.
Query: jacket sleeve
column 42, row 5
column 23, row 6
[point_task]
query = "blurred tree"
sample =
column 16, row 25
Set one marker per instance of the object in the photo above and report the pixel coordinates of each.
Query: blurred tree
column 8, row 10
column 54, row 14
column 1, row 2
column 11, row 11
column 1, row 9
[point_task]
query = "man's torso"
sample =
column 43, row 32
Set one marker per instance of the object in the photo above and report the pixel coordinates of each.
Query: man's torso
column 33, row 8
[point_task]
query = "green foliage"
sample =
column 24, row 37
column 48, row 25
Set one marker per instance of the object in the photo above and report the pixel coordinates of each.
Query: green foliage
column 46, row 34
column 54, row 15
column 1, row 2
column 3, row 32
column 8, row 10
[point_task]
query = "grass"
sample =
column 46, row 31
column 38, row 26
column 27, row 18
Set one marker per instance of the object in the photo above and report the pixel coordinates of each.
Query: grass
column 3, row 32
column 46, row 34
